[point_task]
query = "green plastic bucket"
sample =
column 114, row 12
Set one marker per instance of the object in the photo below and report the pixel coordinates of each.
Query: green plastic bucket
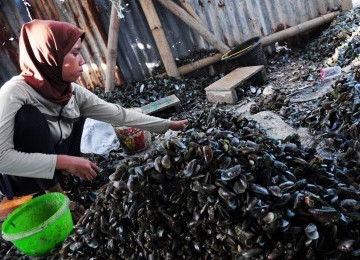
column 40, row 224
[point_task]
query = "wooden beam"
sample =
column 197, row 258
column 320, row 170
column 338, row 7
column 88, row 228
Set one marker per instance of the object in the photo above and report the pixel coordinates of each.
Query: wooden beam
column 160, row 38
column 223, row 90
column 111, row 51
column 195, row 25
column 188, row 8
column 235, row 78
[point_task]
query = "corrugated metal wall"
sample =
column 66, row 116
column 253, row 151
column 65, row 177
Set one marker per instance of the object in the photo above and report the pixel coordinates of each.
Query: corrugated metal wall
column 232, row 21
column 11, row 19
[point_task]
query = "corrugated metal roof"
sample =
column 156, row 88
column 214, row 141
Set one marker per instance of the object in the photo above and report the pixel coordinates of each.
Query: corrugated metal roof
column 232, row 21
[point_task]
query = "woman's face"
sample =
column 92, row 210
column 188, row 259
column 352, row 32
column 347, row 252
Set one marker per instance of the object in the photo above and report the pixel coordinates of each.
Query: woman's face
column 72, row 65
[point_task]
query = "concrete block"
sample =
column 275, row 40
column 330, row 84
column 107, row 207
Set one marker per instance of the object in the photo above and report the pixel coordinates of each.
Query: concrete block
column 222, row 96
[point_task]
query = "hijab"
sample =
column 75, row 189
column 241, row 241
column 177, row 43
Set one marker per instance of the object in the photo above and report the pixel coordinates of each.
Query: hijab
column 43, row 44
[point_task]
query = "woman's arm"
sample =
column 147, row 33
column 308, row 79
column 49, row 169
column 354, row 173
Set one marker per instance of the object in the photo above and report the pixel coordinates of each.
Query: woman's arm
column 94, row 107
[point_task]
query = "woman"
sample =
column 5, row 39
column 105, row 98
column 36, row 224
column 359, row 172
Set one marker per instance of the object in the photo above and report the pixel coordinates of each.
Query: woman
column 42, row 112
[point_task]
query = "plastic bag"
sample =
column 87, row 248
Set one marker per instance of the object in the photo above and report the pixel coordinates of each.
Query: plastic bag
column 133, row 140
column 98, row 138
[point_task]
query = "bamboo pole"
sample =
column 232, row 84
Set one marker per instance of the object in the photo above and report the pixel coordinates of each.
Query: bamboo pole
column 160, row 38
column 265, row 41
column 193, row 24
column 111, row 51
column 300, row 28
column 199, row 64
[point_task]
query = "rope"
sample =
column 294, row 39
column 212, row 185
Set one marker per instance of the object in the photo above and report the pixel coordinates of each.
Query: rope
column 236, row 53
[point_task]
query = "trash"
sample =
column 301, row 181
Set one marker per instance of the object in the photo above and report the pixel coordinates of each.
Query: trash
column 98, row 138
column 268, row 90
column 330, row 73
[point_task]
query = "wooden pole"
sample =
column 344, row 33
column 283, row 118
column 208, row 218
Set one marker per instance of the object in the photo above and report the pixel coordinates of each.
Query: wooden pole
column 111, row 51
column 193, row 24
column 160, row 38
column 191, row 11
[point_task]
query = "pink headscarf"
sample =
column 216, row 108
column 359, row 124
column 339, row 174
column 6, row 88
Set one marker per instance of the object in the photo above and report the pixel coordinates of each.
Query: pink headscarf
column 43, row 45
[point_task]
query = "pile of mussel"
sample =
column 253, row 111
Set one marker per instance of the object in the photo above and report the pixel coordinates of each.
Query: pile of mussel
column 190, row 91
column 222, row 189
column 337, row 117
column 339, row 43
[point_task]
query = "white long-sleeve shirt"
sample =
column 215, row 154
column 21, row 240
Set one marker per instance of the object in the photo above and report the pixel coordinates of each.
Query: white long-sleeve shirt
column 16, row 92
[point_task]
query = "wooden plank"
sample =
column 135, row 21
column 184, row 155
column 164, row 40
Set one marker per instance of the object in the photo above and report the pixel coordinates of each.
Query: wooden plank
column 234, row 78
column 160, row 38
column 161, row 104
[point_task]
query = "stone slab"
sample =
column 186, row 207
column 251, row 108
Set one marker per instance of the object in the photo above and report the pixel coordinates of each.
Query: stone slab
column 273, row 125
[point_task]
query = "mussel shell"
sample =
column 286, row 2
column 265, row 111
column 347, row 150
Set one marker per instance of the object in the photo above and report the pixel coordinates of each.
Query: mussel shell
column 208, row 154
column 190, row 168
column 350, row 204
column 290, row 147
column 345, row 245
column 275, row 191
column 279, row 165
column 240, row 185
column 226, row 194
column 157, row 164
column 325, row 215
column 269, row 217
column 165, row 161
column 311, row 231
column 259, row 189
column 231, row 173
column 208, row 188
column 233, row 203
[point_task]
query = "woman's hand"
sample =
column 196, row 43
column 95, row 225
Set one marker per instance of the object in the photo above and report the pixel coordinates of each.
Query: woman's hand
column 179, row 125
column 77, row 166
